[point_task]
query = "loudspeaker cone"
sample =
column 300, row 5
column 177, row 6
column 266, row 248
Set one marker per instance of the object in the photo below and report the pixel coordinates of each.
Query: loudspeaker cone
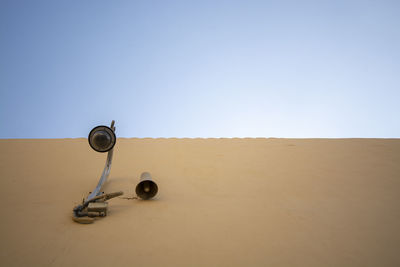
column 146, row 188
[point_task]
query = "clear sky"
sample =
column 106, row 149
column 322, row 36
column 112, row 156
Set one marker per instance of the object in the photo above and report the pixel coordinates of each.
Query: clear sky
column 200, row 68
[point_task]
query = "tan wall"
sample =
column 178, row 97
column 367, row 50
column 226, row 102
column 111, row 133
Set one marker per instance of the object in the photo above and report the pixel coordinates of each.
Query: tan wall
column 221, row 202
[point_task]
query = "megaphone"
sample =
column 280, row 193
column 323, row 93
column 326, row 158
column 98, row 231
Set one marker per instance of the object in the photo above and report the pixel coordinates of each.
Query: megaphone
column 146, row 188
column 102, row 138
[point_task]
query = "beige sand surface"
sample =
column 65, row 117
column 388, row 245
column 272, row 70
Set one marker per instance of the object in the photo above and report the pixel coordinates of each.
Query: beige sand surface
column 221, row 202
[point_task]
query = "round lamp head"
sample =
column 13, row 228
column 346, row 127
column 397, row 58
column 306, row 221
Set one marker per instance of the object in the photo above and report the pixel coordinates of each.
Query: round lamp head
column 102, row 138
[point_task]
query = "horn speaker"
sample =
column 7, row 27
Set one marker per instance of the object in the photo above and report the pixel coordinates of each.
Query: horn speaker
column 146, row 188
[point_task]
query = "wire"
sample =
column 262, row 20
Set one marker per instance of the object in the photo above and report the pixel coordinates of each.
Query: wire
column 128, row 198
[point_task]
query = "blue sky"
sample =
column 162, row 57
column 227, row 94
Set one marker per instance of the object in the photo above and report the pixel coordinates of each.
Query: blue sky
column 200, row 68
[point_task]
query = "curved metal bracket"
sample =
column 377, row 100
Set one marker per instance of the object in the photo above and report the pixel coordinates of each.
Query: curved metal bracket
column 84, row 213
column 105, row 173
